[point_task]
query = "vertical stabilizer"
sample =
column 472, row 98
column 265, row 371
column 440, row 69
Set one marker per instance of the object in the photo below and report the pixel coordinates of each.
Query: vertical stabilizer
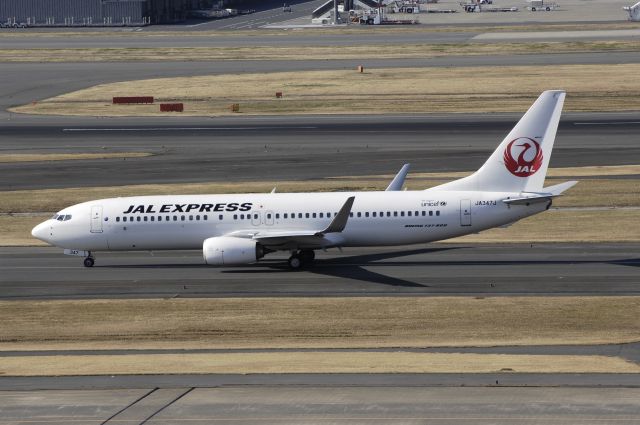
column 520, row 163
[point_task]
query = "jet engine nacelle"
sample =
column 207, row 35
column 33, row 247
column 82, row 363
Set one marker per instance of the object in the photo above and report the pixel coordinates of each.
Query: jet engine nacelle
column 227, row 250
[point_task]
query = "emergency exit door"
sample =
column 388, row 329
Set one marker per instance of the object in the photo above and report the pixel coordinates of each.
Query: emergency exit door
column 465, row 212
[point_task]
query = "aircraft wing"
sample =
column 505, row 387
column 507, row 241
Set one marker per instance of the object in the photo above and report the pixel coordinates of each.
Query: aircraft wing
column 306, row 237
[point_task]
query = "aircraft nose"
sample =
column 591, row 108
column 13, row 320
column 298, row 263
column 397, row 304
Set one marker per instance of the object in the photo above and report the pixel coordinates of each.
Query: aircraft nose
column 41, row 231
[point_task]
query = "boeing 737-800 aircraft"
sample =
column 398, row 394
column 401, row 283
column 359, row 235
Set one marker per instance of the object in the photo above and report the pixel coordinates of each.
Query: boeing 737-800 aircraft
column 242, row 228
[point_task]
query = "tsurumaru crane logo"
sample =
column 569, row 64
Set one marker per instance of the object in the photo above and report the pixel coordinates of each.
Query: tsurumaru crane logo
column 523, row 157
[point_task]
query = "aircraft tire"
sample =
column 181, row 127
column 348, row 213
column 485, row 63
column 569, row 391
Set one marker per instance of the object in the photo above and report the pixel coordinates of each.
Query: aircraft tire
column 295, row 262
column 89, row 262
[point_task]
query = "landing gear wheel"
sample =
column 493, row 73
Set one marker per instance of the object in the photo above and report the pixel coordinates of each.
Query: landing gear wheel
column 89, row 262
column 295, row 262
column 308, row 255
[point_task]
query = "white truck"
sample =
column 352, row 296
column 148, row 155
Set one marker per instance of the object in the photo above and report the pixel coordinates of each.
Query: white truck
column 541, row 6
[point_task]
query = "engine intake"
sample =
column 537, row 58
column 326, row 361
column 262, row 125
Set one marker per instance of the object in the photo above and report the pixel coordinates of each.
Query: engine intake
column 228, row 250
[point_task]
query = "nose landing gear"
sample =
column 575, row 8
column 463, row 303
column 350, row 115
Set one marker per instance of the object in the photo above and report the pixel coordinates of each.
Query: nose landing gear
column 301, row 258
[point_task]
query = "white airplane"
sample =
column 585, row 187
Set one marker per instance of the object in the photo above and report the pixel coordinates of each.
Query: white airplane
column 242, row 228
column 634, row 11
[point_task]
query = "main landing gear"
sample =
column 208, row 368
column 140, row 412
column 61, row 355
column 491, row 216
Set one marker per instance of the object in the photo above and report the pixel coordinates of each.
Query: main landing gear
column 301, row 258
column 89, row 261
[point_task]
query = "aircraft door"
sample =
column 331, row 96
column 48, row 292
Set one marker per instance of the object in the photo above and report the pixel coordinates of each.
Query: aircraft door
column 465, row 212
column 255, row 218
column 96, row 219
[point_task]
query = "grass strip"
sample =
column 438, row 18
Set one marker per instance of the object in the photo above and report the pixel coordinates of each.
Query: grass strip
column 381, row 51
column 437, row 90
column 332, row 322
column 310, row 362
column 588, row 193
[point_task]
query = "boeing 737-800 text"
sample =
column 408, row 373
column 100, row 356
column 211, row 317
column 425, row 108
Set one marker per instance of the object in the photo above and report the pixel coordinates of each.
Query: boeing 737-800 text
column 242, row 228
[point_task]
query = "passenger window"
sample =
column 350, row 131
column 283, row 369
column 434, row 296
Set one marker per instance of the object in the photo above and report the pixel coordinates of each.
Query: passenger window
column 313, row 215
column 401, row 213
column 366, row 214
column 409, row 213
column 277, row 216
column 424, row 213
column 388, row 213
column 159, row 218
column 417, row 213
column 299, row 215
column 235, row 216
column 175, row 218
column 118, row 219
column 197, row 218
column 430, row 213
column 145, row 218
column 350, row 214
column 205, row 217
column 268, row 215
column 182, row 218
column 138, row 218
column 153, row 218
column 285, row 215
column 437, row 212
column 190, row 218
column 306, row 215
column 219, row 217
column 374, row 214
column 359, row 214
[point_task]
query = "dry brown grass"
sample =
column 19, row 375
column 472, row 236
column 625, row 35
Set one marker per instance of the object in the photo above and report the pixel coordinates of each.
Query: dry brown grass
column 39, row 157
column 472, row 89
column 588, row 193
column 317, row 322
column 583, row 226
column 384, row 51
column 310, row 362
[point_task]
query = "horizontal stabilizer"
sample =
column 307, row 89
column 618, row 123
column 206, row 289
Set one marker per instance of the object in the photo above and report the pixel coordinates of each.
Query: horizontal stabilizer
column 533, row 197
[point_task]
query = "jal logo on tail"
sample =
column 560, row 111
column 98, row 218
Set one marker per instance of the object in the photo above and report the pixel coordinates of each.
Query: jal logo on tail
column 523, row 157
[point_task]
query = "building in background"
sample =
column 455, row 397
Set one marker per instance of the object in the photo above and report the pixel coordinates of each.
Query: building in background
column 94, row 12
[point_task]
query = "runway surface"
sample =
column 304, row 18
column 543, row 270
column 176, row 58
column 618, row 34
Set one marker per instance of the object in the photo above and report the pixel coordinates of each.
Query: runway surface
column 291, row 148
column 312, row 404
column 436, row 269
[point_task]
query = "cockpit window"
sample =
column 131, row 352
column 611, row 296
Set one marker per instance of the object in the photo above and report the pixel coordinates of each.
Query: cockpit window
column 60, row 218
column 67, row 217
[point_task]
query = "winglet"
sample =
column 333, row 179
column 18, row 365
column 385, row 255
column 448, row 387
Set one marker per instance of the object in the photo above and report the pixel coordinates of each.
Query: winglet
column 398, row 180
column 339, row 222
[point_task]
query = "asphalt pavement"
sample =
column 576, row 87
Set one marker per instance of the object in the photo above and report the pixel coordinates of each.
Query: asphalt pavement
column 423, row 270
column 290, row 148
